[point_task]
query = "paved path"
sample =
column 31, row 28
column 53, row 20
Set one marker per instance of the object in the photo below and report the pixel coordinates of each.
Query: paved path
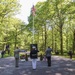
column 60, row 66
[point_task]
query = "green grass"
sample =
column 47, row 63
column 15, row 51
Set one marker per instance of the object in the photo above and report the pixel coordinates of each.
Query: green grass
column 65, row 56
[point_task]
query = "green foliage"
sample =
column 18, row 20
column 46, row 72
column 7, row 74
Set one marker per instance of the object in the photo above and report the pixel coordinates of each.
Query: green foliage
column 54, row 20
column 59, row 13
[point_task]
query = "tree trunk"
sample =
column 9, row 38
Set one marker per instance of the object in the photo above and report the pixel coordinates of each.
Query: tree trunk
column 52, row 40
column 67, row 42
column 73, row 41
column 45, row 37
column 61, row 40
column 55, row 43
column 15, row 38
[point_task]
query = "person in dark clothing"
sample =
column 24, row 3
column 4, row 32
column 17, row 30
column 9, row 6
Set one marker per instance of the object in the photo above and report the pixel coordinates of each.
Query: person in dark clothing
column 7, row 49
column 33, row 56
column 2, row 54
column 70, row 54
column 48, row 56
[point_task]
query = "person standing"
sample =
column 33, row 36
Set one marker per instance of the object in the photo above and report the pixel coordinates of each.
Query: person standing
column 48, row 56
column 70, row 54
column 7, row 49
column 2, row 53
column 16, row 55
column 33, row 56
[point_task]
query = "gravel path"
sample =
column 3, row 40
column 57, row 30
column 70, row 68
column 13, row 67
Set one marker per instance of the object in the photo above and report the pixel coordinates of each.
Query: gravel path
column 60, row 66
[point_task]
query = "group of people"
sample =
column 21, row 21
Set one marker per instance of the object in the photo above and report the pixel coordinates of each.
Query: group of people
column 33, row 56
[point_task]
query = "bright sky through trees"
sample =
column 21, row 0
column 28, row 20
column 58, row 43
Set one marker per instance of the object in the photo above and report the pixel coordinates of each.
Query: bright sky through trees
column 25, row 9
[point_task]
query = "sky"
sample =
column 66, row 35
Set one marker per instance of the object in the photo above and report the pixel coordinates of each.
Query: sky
column 25, row 9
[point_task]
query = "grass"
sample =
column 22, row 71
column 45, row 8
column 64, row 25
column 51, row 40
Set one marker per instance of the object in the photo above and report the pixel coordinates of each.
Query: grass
column 65, row 56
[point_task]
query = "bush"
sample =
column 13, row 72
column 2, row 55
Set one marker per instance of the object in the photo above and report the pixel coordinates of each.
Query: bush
column 57, row 52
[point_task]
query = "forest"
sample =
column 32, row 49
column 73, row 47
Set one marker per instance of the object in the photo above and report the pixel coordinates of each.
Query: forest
column 53, row 26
